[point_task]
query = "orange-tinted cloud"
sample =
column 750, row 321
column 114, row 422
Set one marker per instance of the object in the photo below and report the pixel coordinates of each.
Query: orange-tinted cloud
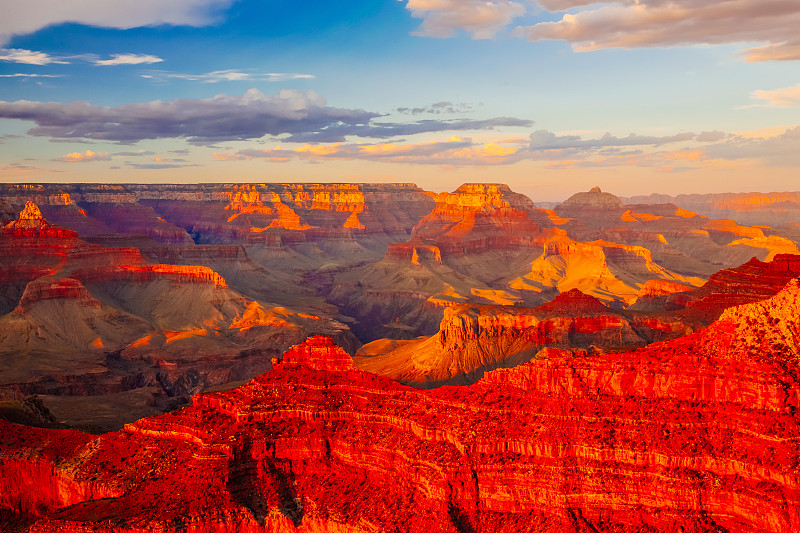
column 453, row 151
column 482, row 19
column 651, row 23
column 78, row 157
column 786, row 97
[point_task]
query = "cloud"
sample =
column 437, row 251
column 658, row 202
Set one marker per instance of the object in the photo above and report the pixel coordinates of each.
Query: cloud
column 703, row 152
column 159, row 166
column 672, row 153
column 437, row 109
column 221, row 117
column 19, row 170
column 78, row 157
column 21, row 75
column 303, row 116
column 128, row 59
column 386, row 130
column 787, row 97
column 32, row 57
column 651, row 23
column 33, row 15
column 778, row 151
column 228, row 75
column 28, row 57
column 453, row 151
column 482, row 19
column 542, row 140
column 140, row 153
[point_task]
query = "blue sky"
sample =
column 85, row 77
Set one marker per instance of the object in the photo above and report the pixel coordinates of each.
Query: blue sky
column 551, row 97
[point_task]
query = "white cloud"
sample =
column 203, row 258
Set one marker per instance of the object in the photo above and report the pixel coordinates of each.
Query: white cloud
column 651, row 23
column 31, row 15
column 28, row 57
column 482, row 19
column 787, row 97
column 228, row 75
column 128, row 59
column 22, row 75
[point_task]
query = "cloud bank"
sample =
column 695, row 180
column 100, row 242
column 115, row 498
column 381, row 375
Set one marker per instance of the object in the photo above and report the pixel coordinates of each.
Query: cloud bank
column 303, row 116
column 670, row 153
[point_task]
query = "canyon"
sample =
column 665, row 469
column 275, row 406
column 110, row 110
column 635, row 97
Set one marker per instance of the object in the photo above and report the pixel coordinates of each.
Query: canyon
column 697, row 434
column 376, row 357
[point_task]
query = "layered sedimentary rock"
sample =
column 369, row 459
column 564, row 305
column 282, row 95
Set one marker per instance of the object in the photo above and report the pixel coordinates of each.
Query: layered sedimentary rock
column 473, row 339
column 477, row 218
column 695, row 434
column 610, row 271
column 680, row 240
column 83, row 320
column 30, row 247
column 754, row 208
column 750, row 282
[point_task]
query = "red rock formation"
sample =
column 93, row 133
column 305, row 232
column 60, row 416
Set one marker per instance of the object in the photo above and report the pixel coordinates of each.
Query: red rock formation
column 47, row 288
column 770, row 209
column 751, row 282
column 474, row 339
column 146, row 273
column 476, row 218
column 696, row 434
column 410, row 253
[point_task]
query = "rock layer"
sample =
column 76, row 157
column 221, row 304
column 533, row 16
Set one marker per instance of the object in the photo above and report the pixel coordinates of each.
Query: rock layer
column 695, row 434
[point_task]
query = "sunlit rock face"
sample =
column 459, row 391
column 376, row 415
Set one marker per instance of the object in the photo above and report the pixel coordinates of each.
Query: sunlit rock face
column 474, row 339
column 773, row 209
column 477, row 218
column 81, row 321
column 132, row 292
column 694, row 434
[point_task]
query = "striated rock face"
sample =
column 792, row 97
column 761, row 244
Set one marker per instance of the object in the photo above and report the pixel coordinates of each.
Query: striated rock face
column 770, row 209
column 46, row 288
column 610, row 271
column 474, row 339
column 80, row 321
column 695, row 434
column 751, row 282
column 30, row 247
column 476, row 218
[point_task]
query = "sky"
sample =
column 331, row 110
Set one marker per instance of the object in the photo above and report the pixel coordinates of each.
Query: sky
column 549, row 96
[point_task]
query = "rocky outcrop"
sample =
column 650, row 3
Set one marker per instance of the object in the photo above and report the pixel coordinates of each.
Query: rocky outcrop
column 148, row 273
column 753, row 208
column 610, row 271
column 695, row 434
column 477, row 218
column 594, row 199
column 47, row 288
column 751, row 282
column 474, row 339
